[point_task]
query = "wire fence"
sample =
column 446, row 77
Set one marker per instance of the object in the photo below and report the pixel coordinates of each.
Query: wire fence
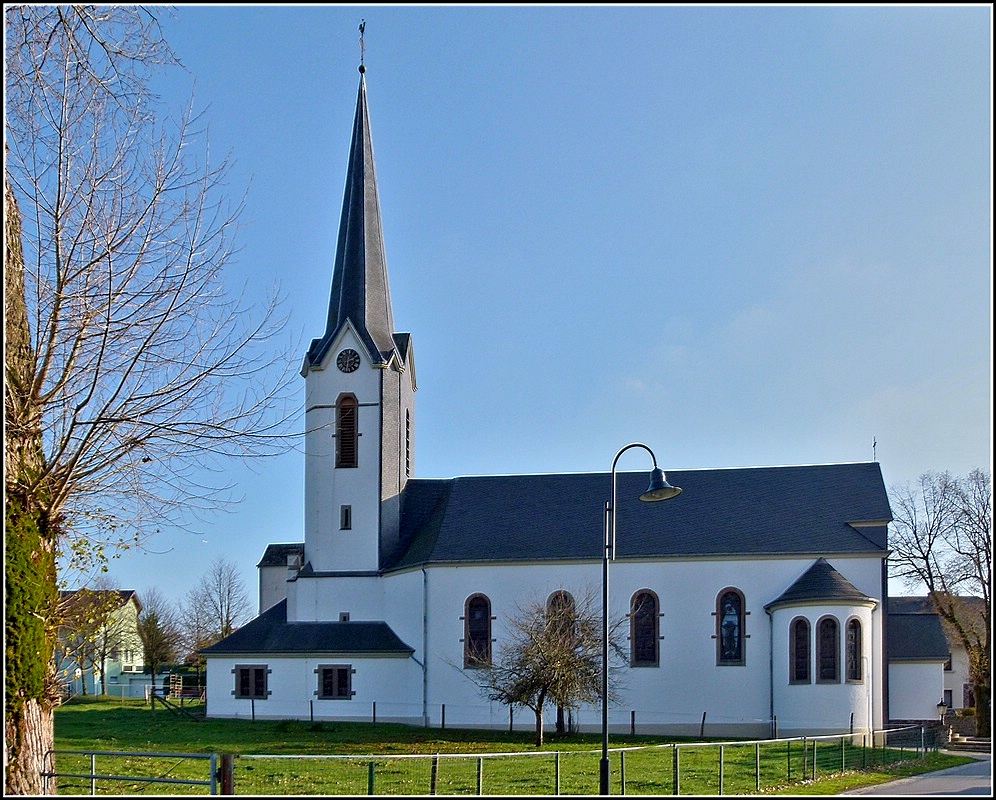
column 677, row 768
column 700, row 768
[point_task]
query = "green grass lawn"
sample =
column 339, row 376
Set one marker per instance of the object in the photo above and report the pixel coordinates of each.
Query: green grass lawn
column 343, row 758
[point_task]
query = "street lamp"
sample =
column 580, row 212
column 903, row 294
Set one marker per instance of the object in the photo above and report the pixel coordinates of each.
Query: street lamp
column 941, row 709
column 659, row 489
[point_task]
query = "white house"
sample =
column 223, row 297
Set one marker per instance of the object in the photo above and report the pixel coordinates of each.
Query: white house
column 755, row 600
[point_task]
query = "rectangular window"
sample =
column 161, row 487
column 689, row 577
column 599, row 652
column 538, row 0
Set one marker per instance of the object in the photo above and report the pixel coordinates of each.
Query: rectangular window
column 345, row 518
column 251, row 681
column 335, row 682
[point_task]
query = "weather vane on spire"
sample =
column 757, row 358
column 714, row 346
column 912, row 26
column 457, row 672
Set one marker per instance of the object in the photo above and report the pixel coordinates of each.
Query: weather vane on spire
column 363, row 50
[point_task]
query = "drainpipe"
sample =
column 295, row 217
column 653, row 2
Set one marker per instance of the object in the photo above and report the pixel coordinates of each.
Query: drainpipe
column 771, row 666
column 425, row 648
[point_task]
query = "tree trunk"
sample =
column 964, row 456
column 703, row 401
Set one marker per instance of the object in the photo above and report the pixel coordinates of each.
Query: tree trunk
column 30, row 534
column 29, row 736
column 983, row 708
column 539, row 725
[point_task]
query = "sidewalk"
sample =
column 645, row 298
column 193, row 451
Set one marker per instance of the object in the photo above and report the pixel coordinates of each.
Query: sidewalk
column 969, row 779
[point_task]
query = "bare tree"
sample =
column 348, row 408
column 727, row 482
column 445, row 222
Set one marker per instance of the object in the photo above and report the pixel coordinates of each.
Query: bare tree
column 217, row 606
column 130, row 372
column 160, row 631
column 942, row 540
column 553, row 656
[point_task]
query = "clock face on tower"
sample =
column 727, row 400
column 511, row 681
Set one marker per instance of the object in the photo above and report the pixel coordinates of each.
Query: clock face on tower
column 348, row 360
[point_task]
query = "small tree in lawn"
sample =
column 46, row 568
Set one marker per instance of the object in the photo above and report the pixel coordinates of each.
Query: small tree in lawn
column 160, row 631
column 553, row 657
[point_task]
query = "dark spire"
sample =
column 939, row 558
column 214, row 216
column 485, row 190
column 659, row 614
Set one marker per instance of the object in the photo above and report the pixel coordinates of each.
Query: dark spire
column 360, row 290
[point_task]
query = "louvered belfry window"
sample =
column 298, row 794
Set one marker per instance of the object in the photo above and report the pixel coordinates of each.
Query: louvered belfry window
column 346, row 432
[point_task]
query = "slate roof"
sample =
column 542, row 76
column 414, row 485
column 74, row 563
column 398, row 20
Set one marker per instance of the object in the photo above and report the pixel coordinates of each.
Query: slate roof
column 275, row 555
column 803, row 510
column 820, row 583
column 272, row 634
column 916, row 637
column 72, row 596
column 360, row 293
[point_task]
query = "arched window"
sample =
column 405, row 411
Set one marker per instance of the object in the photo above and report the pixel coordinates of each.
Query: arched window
column 562, row 619
column 644, row 629
column 827, row 650
column 477, row 632
column 799, row 651
column 346, row 432
column 730, row 627
column 852, row 652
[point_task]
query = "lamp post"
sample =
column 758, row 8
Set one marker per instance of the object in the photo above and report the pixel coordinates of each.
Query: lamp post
column 659, row 489
column 941, row 709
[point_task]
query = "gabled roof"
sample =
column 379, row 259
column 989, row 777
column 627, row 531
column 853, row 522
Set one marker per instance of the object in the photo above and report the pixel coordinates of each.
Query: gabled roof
column 272, row 634
column 275, row 555
column 916, row 637
column 116, row 597
column 360, row 294
column 806, row 510
column 818, row 584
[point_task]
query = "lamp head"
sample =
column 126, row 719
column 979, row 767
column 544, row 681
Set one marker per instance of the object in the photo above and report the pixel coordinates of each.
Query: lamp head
column 659, row 488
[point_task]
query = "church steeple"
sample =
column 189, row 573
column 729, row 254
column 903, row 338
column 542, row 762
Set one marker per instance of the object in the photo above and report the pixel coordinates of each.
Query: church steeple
column 361, row 294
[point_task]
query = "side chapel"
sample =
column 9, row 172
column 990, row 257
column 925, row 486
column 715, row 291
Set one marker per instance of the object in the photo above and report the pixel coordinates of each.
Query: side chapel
column 755, row 600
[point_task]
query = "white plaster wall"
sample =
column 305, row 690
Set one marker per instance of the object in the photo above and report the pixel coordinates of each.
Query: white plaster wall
column 688, row 681
column 914, row 689
column 956, row 678
column 327, row 488
column 826, row 707
column 396, row 599
column 394, row 684
column 273, row 585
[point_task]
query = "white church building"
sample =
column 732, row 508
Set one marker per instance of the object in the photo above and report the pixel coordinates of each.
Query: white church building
column 753, row 602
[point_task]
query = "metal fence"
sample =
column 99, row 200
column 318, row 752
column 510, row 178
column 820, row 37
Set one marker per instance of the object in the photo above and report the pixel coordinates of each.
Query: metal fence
column 693, row 768
column 127, row 772
column 701, row 768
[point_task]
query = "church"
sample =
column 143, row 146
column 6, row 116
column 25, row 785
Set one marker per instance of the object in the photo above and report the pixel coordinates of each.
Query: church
column 754, row 602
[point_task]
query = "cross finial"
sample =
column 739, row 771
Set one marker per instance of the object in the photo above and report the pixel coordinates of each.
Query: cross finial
column 363, row 27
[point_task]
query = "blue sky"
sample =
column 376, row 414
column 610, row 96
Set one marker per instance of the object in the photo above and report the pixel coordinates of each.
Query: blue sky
column 745, row 236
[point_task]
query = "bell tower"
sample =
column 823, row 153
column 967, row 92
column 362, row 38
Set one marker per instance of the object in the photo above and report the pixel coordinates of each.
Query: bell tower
column 359, row 390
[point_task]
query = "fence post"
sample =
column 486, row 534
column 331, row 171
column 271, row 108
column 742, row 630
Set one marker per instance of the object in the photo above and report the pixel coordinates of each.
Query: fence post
column 556, row 773
column 510, row 723
column 622, row 772
column 757, row 766
column 442, row 716
column 721, row 765
column 227, row 773
column 674, row 768
column 374, row 720
column 702, row 726
column 632, row 722
column 788, row 757
column 843, row 761
column 371, row 771
column 480, row 775
column 311, row 710
column 93, row 774
column 434, row 774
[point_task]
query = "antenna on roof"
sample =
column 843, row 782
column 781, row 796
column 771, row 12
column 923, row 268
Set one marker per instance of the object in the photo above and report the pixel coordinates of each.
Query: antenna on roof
column 363, row 50
column 874, row 445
